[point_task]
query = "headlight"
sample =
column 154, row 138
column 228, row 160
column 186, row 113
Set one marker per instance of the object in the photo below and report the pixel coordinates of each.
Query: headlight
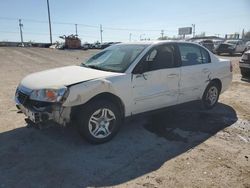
column 49, row 95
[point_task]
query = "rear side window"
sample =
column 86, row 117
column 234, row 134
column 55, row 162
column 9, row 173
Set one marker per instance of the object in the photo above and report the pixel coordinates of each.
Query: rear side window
column 193, row 55
column 205, row 56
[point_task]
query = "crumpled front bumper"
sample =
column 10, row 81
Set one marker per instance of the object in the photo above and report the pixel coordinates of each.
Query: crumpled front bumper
column 52, row 112
column 35, row 116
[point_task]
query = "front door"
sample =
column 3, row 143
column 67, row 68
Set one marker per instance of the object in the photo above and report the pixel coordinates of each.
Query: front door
column 158, row 85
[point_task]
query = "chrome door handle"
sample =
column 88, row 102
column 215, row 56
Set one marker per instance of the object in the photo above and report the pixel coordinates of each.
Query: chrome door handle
column 142, row 75
column 138, row 76
column 172, row 75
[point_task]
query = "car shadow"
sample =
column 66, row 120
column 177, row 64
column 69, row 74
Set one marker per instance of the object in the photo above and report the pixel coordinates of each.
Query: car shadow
column 59, row 157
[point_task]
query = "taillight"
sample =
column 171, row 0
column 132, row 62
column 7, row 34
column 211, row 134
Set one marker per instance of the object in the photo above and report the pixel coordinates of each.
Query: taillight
column 231, row 67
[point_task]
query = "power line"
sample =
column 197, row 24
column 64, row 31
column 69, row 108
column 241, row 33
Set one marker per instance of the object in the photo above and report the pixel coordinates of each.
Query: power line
column 46, row 22
column 86, row 25
column 45, row 34
column 139, row 30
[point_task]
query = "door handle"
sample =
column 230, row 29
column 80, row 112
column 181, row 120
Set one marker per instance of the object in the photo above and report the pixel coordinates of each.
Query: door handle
column 205, row 70
column 138, row 76
column 145, row 76
column 172, row 75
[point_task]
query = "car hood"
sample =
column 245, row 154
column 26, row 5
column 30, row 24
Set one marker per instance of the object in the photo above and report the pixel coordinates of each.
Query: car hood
column 63, row 76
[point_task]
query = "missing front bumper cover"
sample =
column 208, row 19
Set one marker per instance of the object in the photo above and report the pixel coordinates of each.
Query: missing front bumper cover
column 58, row 114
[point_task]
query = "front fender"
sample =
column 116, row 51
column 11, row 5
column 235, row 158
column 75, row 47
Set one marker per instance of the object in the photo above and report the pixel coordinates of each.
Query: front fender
column 83, row 92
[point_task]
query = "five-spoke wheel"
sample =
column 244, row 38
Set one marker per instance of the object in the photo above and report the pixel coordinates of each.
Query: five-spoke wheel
column 99, row 121
column 211, row 95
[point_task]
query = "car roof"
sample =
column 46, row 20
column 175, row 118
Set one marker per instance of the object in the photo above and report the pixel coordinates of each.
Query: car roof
column 156, row 42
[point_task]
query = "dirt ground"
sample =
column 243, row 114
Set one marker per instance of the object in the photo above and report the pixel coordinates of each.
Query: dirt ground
column 180, row 147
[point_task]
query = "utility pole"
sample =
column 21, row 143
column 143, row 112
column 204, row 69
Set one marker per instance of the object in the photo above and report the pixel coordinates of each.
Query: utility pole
column 193, row 25
column 243, row 34
column 130, row 36
column 49, row 22
column 76, row 29
column 101, row 32
column 162, row 34
column 21, row 31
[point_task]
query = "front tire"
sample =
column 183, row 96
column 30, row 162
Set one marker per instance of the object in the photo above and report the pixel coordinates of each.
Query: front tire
column 211, row 95
column 99, row 121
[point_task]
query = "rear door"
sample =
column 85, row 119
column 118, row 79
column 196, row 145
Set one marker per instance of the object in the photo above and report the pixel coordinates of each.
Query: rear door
column 158, row 85
column 195, row 71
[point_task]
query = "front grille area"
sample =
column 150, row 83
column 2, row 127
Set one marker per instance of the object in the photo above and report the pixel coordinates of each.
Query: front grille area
column 22, row 97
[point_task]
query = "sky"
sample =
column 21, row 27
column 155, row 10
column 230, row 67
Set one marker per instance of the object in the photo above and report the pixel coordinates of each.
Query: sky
column 121, row 19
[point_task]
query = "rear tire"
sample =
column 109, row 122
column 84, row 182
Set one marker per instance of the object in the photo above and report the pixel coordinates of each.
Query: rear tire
column 99, row 121
column 211, row 95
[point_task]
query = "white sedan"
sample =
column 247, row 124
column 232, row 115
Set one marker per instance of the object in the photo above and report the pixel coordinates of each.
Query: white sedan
column 121, row 81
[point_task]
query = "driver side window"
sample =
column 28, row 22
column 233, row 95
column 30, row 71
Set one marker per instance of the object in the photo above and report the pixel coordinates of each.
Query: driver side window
column 160, row 57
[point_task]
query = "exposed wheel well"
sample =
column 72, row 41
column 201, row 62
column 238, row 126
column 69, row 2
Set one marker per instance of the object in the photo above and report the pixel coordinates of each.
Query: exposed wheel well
column 218, row 82
column 215, row 80
column 102, row 96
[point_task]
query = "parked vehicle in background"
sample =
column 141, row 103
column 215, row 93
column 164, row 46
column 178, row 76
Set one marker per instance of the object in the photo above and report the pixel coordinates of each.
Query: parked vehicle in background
column 208, row 44
column 123, row 80
column 58, row 45
column 248, row 45
column 231, row 47
column 245, row 65
column 95, row 45
column 217, row 42
column 85, row 46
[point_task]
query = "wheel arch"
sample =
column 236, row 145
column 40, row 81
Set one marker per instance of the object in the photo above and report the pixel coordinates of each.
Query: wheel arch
column 214, row 80
column 217, row 81
column 102, row 96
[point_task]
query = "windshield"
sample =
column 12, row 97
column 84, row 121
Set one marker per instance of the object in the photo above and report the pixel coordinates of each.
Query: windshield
column 116, row 58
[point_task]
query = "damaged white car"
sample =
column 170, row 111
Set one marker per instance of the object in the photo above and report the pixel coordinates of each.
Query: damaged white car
column 121, row 81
